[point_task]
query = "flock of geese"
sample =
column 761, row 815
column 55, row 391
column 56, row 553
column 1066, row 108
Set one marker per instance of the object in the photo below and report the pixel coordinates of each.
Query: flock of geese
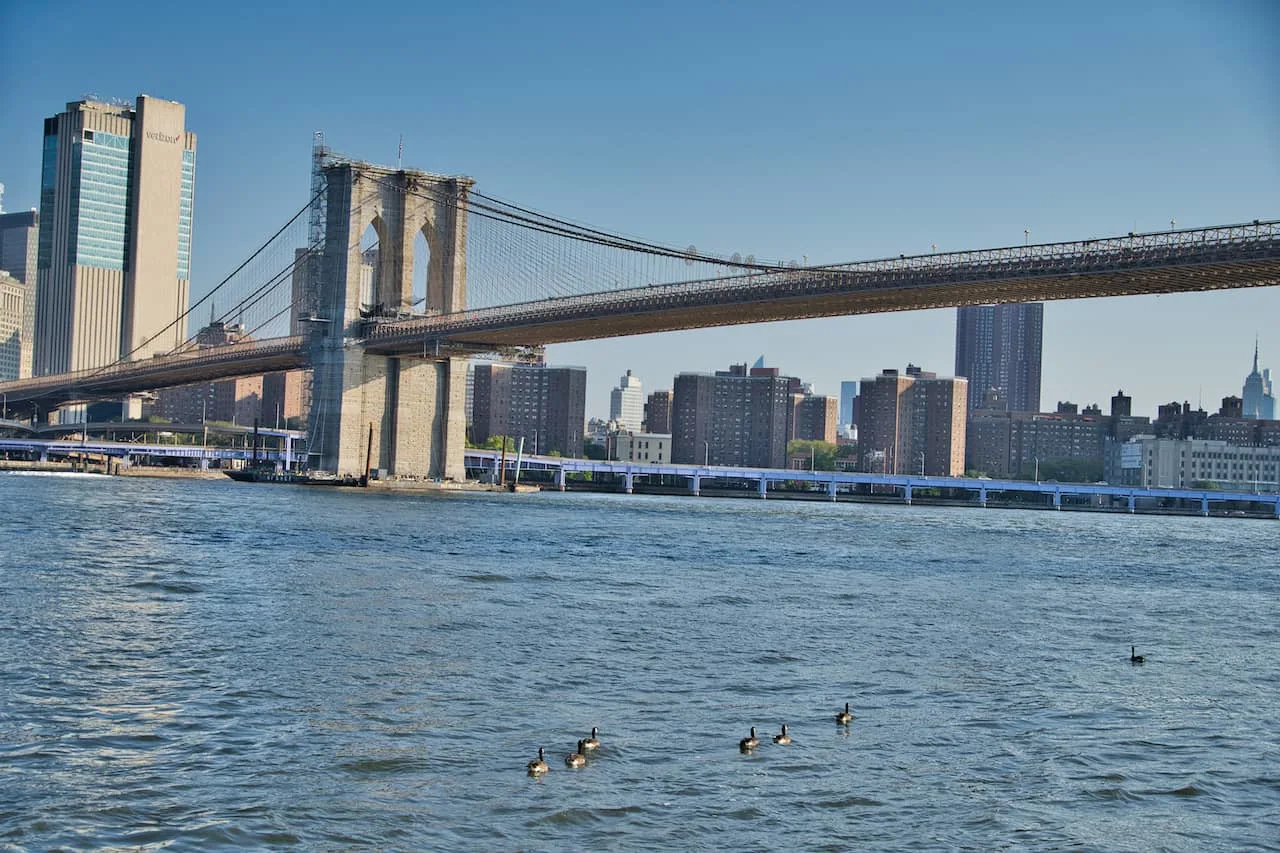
column 578, row 758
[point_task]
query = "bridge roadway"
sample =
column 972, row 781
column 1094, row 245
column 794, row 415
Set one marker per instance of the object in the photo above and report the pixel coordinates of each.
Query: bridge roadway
column 1221, row 257
column 833, row 482
column 1168, row 262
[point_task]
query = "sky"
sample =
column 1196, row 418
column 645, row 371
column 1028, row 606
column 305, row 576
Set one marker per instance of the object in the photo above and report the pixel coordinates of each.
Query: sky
column 826, row 131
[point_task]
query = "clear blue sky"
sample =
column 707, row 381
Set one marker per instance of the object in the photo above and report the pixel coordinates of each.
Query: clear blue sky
column 837, row 131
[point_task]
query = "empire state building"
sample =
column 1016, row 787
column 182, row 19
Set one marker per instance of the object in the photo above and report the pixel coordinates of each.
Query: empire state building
column 1259, row 400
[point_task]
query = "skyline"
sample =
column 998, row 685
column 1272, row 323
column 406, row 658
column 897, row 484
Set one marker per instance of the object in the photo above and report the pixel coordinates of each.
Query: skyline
column 861, row 134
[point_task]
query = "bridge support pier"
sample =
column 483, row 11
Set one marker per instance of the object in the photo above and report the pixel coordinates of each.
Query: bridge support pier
column 1131, row 503
column 1057, row 500
column 628, row 482
column 982, row 497
column 831, row 490
column 559, row 477
column 695, row 485
column 1204, row 506
column 763, row 488
column 412, row 404
column 906, row 494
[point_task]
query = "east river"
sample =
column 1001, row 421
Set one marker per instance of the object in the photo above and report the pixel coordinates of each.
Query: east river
column 197, row 665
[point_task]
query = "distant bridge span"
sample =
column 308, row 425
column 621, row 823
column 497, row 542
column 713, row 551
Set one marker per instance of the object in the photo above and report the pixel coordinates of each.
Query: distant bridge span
column 1233, row 256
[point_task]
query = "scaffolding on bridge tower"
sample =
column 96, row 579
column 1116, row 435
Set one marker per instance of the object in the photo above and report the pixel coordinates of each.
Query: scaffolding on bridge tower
column 320, row 157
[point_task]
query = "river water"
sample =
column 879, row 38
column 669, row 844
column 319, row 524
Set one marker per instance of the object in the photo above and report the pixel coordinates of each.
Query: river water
column 205, row 664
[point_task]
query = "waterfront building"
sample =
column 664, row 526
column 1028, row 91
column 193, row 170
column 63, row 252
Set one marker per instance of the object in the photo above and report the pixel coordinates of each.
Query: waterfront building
column 734, row 417
column 657, row 413
column 544, row 405
column 1153, row 462
column 13, row 299
column 19, row 233
column 911, row 421
column 113, row 259
column 1018, row 444
column 999, row 347
column 1258, row 397
column 641, row 447
column 626, row 403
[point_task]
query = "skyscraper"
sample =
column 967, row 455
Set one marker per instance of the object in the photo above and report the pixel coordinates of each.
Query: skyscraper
column 998, row 348
column 626, row 403
column 114, row 253
column 18, row 237
column 848, row 393
column 1259, row 399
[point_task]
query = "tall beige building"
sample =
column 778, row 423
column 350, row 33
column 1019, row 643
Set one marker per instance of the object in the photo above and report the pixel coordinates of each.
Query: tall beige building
column 114, row 254
column 13, row 296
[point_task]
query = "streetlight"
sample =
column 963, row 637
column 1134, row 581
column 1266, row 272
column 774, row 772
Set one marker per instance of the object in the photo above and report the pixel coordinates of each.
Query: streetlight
column 535, row 442
column 921, row 463
column 1037, row 469
column 706, row 454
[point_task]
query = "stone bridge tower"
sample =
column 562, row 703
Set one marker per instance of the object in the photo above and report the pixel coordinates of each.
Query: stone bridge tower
column 416, row 405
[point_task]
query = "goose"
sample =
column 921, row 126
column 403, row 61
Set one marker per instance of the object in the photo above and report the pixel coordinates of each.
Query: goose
column 749, row 743
column 577, row 759
column 538, row 766
column 782, row 738
column 591, row 743
column 1134, row 657
column 844, row 718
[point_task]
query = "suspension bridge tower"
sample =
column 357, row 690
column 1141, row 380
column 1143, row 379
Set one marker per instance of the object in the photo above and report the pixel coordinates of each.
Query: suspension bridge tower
column 415, row 404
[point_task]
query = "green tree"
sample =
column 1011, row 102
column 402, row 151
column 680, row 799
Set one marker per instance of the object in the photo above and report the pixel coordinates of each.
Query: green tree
column 592, row 450
column 822, row 453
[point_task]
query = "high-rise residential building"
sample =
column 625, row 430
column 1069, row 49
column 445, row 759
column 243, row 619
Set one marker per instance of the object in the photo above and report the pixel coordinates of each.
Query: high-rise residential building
column 736, row 417
column 19, row 234
column 113, row 261
column 998, row 348
column 1259, row 400
column 13, row 296
column 657, row 413
column 626, row 403
column 912, row 422
column 814, row 417
column 544, row 405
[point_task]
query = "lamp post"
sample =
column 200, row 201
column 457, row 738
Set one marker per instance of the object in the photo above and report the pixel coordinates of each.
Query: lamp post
column 706, row 454
column 1037, row 469
column 535, row 442
column 921, row 463
column 813, row 455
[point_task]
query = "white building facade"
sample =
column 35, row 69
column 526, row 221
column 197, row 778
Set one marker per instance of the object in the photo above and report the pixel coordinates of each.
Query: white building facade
column 1196, row 463
column 626, row 403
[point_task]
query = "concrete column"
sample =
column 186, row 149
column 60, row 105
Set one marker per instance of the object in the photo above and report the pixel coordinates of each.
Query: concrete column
column 1057, row 499
column 696, row 485
column 628, row 482
column 1204, row 506
column 982, row 496
column 560, row 478
column 831, row 490
column 1131, row 502
column 906, row 494
column 764, row 488
column 44, row 454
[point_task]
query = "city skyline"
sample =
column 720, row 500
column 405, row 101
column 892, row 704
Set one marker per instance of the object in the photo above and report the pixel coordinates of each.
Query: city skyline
column 872, row 133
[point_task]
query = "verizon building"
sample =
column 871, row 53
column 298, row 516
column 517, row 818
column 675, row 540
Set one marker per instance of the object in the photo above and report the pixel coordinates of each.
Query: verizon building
column 114, row 252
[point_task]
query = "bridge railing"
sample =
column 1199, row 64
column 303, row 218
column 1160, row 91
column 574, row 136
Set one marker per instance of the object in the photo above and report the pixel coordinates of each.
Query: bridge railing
column 1258, row 239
